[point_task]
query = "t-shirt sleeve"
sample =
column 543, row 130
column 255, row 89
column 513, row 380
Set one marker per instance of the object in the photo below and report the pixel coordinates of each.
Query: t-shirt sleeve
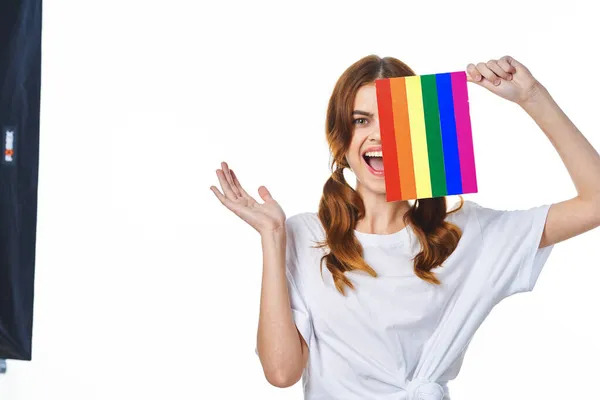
column 294, row 280
column 511, row 254
column 295, row 283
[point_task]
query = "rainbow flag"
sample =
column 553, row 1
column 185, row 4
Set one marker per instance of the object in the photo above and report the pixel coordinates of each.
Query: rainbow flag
column 426, row 136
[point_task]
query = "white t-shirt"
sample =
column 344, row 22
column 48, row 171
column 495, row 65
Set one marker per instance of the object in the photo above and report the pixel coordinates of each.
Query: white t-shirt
column 397, row 337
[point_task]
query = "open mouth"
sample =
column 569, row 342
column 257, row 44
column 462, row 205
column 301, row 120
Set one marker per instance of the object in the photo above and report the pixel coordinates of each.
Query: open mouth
column 374, row 162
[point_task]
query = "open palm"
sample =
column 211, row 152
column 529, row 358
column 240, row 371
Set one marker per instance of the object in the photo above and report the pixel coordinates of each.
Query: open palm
column 264, row 217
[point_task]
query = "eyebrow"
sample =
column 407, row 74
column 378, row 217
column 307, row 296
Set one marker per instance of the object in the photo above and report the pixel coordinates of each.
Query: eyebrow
column 359, row 112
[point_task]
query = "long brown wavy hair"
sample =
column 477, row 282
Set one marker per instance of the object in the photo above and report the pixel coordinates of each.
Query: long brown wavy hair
column 341, row 206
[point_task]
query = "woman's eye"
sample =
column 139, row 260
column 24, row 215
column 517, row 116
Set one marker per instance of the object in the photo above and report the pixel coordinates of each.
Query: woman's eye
column 356, row 121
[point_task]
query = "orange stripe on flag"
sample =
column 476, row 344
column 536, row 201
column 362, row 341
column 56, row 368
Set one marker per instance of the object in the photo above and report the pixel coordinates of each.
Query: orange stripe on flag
column 403, row 142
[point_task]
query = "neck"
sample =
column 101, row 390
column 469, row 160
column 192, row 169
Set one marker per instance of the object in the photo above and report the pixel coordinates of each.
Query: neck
column 381, row 217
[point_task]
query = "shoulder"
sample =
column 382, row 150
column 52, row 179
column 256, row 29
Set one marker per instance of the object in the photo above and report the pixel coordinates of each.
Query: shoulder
column 305, row 228
column 502, row 221
column 304, row 223
column 306, row 217
column 304, row 233
column 472, row 209
column 461, row 215
column 473, row 213
column 474, row 218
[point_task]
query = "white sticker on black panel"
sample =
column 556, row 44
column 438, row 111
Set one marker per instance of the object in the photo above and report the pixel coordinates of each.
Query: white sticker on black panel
column 9, row 141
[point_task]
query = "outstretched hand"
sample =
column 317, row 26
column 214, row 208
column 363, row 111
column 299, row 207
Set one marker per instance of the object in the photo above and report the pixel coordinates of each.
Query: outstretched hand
column 506, row 77
column 265, row 217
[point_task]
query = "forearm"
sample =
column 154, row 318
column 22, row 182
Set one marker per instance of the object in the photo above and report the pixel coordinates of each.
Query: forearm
column 579, row 156
column 278, row 342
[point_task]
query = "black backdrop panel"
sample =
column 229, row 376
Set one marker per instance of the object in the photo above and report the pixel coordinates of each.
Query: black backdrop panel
column 20, row 68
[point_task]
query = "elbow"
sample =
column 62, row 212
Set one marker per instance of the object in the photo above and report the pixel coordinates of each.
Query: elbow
column 597, row 213
column 594, row 212
column 282, row 369
column 283, row 379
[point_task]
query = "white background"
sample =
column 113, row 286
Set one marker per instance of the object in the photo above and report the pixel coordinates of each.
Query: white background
column 148, row 288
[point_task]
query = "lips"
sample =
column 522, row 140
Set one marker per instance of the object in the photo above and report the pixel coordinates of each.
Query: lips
column 372, row 148
column 377, row 173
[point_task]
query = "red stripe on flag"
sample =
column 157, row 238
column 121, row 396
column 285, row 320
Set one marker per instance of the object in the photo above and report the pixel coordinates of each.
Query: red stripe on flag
column 388, row 139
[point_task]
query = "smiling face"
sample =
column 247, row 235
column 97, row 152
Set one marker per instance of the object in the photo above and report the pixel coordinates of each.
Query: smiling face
column 364, row 155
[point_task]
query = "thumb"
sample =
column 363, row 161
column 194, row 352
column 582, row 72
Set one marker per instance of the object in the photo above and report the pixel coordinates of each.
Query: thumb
column 265, row 194
column 486, row 83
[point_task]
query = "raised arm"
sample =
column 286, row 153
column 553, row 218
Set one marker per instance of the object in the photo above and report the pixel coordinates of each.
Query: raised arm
column 511, row 80
column 282, row 350
column 580, row 214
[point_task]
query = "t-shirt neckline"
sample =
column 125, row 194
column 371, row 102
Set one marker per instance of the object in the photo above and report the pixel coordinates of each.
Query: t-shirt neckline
column 374, row 239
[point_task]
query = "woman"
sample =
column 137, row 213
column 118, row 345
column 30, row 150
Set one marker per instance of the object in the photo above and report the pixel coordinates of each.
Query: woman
column 404, row 287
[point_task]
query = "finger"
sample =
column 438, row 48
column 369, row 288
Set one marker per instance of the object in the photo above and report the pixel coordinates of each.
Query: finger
column 497, row 69
column 514, row 63
column 237, row 183
column 229, row 193
column 265, row 194
column 472, row 74
column 222, row 198
column 488, row 73
column 236, row 208
column 503, row 62
column 483, row 81
column 219, row 195
column 227, row 173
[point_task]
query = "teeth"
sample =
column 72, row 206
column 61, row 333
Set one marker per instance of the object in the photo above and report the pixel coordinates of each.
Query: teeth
column 374, row 154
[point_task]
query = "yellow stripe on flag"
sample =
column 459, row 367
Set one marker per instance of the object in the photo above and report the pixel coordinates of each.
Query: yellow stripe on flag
column 418, row 136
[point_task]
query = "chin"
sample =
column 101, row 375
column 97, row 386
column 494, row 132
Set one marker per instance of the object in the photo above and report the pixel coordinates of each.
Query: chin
column 377, row 187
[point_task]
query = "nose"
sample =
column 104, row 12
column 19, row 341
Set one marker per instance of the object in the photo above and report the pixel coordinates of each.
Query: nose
column 375, row 135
